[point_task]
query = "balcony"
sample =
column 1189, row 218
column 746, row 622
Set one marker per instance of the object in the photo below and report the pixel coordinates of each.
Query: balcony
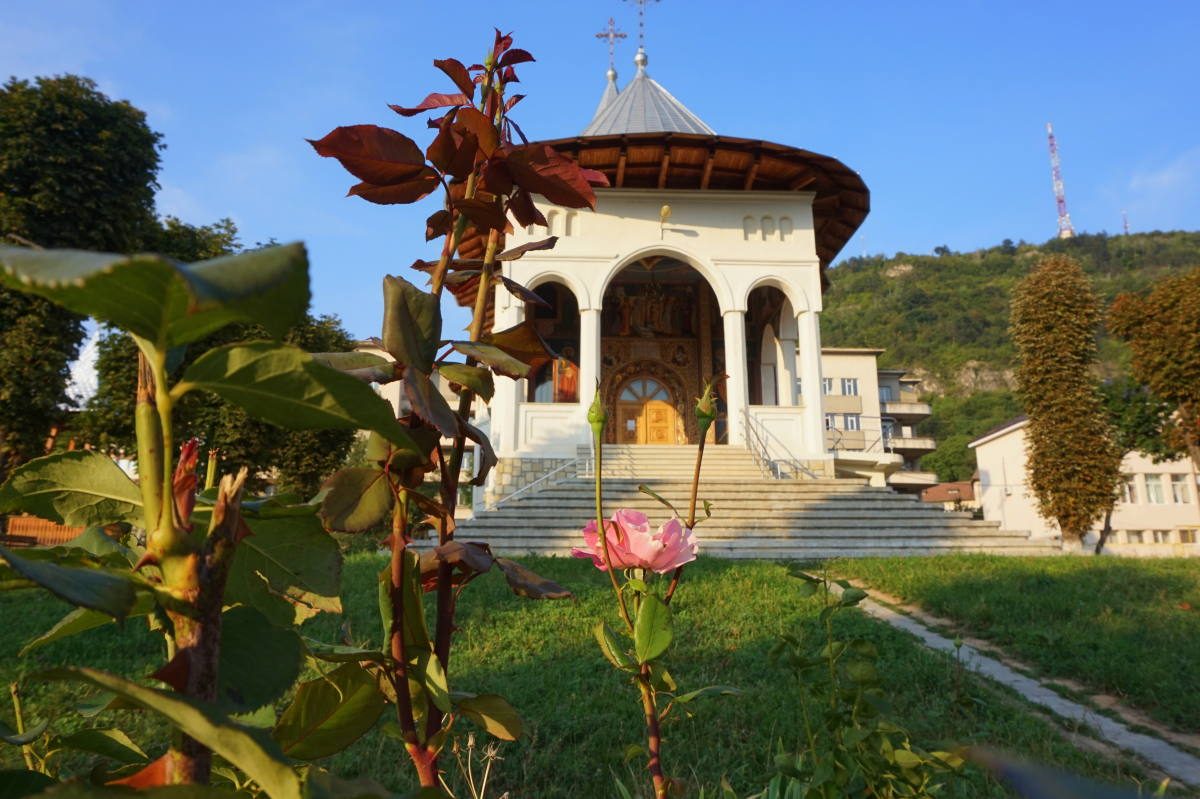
column 906, row 412
column 904, row 479
column 911, row 446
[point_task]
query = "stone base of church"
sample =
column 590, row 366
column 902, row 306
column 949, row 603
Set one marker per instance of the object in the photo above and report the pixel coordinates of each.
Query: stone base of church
column 513, row 473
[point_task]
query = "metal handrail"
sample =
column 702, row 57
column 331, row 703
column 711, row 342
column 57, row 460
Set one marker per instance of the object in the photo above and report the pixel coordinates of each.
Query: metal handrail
column 572, row 464
column 761, row 450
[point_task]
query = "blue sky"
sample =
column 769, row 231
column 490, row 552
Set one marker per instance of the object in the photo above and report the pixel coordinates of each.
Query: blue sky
column 941, row 106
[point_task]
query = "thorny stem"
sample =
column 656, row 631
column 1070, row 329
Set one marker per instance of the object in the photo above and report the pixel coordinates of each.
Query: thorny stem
column 653, row 733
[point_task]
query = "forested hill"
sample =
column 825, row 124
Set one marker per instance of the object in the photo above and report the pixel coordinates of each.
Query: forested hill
column 946, row 315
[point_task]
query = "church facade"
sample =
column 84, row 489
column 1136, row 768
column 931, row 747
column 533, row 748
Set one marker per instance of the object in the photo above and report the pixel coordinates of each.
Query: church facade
column 705, row 256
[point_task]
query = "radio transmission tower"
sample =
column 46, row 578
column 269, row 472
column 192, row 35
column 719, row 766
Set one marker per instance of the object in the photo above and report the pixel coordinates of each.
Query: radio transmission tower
column 1065, row 230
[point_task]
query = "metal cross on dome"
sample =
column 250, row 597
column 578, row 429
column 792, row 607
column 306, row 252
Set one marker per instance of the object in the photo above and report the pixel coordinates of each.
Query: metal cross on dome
column 641, row 4
column 611, row 34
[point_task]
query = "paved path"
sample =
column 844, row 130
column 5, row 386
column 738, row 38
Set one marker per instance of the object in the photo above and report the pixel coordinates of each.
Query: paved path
column 1176, row 763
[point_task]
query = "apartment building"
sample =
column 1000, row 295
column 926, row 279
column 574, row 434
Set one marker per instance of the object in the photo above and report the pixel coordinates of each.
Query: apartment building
column 1157, row 511
column 871, row 416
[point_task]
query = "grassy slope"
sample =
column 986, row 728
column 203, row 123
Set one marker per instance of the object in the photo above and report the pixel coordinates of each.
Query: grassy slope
column 1127, row 627
column 579, row 714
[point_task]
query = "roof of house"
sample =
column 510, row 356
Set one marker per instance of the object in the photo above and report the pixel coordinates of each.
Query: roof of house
column 949, row 492
column 1015, row 423
column 643, row 106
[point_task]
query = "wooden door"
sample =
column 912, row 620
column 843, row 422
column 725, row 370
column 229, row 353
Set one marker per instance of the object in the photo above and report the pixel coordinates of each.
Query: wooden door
column 645, row 413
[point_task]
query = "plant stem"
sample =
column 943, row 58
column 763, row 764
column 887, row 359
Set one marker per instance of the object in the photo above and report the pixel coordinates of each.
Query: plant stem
column 653, row 733
column 602, row 532
column 26, row 749
column 148, row 428
column 404, row 708
column 691, row 522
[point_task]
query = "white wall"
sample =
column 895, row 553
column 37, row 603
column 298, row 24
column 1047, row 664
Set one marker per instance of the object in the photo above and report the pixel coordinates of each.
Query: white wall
column 1005, row 497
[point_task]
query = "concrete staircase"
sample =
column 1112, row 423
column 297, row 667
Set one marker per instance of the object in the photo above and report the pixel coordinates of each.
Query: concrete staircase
column 753, row 516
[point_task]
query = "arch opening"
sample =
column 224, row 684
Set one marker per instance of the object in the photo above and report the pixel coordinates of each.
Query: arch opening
column 660, row 325
column 771, row 338
column 558, row 323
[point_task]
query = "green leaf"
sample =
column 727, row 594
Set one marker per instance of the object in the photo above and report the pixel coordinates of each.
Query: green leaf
column 259, row 759
column 338, row 653
column 661, row 679
column 412, row 323
column 500, row 361
column 329, row 713
column 259, row 661
column 82, row 619
column 475, row 378
column 433, row 679
column 645, row 489
column 611, row 647
column 651, row 629
column 31, row 734
column 525, row 582
column 283, row 385
column 320, row 784
column 494, row 714
column 852, row 596
column 356, row 499
column 428, row 403
column 416, row 633
column 112, row 744
column 365, row 366
column 79, row 488
column 99, row 589
column 290, row 569
column 18, row 783
column 162, row 301
column 709, row 690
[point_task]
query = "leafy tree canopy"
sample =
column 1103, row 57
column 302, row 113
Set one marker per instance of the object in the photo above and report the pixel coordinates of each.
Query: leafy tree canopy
column 1074, row 462
column 77, row 170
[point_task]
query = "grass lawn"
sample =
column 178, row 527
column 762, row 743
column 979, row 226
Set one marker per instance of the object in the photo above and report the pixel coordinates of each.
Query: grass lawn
column 1128, row 627
column 579, row 714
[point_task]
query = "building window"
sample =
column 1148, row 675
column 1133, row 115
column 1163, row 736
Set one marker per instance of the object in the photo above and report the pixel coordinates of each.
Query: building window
column 885, row 393
column 1133, row 537
column 853, row 421
column 888, row 427
column 1179, row 489
column 1129, row 493
column 830, row 421
column 1154, row 489
column 1187, row 536
column 827, row 385
column 1162, row 536
column 850, row 386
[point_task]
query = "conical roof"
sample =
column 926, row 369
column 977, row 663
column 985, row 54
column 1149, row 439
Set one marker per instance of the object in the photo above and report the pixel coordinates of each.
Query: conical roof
column 643, row 107
column 610, row 93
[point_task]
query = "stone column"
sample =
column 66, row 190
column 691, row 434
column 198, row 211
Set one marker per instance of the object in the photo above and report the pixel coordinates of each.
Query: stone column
column 809, row 357
column 589, row 354
column 737, row 397
column 786, row 375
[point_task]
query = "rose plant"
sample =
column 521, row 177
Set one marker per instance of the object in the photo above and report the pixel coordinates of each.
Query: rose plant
column 636, row 559
column 226, row 577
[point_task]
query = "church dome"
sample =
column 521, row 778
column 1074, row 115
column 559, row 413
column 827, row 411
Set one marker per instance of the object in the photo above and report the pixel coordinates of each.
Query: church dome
column 643, row 106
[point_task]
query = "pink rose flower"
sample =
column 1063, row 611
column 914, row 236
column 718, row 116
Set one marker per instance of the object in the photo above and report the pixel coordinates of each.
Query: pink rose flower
column 633, row 545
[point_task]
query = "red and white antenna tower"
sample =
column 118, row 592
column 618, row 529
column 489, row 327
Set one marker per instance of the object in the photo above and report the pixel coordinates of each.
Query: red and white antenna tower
column 1065, row 230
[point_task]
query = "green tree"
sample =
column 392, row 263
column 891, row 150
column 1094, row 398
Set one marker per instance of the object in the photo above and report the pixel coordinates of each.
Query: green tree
column 295, row 460
column 77, row 170
column 1163, row 329
column 956, row 420
column 1074, row 462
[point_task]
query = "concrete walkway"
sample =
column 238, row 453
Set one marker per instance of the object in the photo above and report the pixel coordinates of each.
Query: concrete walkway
column 1174, row 762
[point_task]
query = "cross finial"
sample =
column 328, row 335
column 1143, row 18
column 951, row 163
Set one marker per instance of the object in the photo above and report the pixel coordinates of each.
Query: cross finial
column 641, row 4
column 611, row 34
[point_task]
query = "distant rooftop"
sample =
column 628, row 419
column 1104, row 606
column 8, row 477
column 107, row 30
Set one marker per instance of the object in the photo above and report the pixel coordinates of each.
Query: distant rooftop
column 643, row 106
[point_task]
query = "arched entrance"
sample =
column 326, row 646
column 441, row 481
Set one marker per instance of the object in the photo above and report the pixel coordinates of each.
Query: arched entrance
column 662, row 336
column 646, row 413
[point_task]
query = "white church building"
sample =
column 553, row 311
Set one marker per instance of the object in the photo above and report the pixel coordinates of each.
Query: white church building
column 705, row 255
